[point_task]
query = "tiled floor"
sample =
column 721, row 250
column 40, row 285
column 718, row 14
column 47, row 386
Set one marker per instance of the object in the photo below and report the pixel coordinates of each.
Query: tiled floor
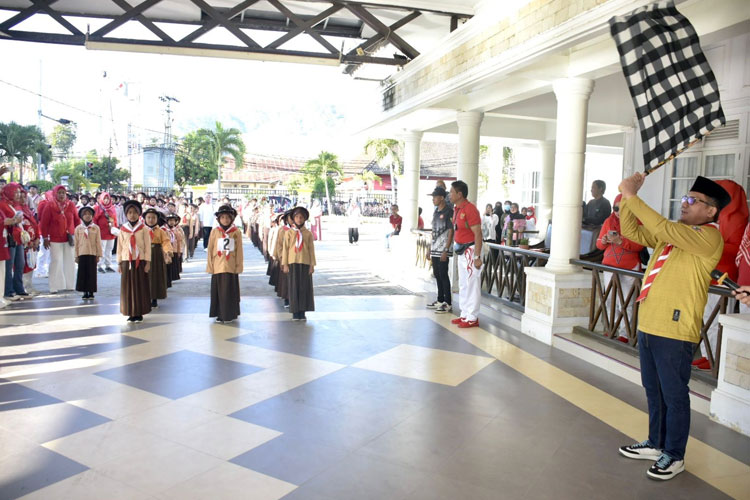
column 374, row 397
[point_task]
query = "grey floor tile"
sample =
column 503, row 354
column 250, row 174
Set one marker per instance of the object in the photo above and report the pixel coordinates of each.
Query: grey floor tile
column 22, row 473
column 15, row 396
column 179, row 374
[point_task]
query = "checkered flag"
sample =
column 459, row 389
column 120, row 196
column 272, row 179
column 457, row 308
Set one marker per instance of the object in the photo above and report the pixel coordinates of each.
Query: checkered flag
column 675, row 93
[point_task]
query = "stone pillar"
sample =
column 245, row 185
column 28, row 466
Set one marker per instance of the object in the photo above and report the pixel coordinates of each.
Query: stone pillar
column 408, row 192
column 730, row 401
column 547, row 149
column 469, row 123
column 572, row 110
column 558, row 296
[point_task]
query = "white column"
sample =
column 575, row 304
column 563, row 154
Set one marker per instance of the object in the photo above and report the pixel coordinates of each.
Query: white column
column 572, row 110
column 469, row 123
column 547, row 149
column 408, row 191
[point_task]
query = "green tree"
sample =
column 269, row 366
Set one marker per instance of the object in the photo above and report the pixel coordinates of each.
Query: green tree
column 294, row 182
column 20, row 143
column 74, row 171
column 62, row 139
column 319, row 189
column 320, row 168
column 368, row 177
column 387, row 150
column 219, row 143
column 192, row 162
column 103, row 171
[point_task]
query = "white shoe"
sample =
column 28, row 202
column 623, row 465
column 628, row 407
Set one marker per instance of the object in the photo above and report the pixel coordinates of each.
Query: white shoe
column 433, row 305
column 641, row 451
column 3, row 303
column 443, row 308
column 665, row 468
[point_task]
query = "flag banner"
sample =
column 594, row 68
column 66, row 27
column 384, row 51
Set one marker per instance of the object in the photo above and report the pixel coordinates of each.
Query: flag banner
column 674, row 91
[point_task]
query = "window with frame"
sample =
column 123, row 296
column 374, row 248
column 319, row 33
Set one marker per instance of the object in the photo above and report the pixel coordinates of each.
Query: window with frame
column 713, row 165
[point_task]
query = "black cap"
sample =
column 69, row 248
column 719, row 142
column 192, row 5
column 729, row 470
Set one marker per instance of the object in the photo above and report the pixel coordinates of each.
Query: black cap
column 82, row 209
column 132, row 203
column 713, row 190
column 439, row 192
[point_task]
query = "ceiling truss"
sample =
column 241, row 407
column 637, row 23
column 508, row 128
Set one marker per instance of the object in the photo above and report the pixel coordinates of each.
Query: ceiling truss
column 236, row 20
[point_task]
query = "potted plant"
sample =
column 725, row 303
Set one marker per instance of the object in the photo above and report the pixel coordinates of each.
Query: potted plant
column 523, row 243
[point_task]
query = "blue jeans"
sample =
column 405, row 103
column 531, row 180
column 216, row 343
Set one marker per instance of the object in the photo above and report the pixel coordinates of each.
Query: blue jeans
column 665, row 372
column 14, row 271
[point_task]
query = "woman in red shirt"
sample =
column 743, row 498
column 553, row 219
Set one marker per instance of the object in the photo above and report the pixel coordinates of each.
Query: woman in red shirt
column 105, row 216
column 618, row 252
column 58, row 227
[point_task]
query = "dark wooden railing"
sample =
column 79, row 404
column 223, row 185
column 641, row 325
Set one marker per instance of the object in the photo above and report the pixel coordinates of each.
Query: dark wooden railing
column 614, row 305
column 503, row 272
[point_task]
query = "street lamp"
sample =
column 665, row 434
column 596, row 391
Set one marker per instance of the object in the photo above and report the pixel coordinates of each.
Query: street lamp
column 61, row 121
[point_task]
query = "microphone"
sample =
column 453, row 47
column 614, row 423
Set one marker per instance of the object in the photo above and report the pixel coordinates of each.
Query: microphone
column 723, row 279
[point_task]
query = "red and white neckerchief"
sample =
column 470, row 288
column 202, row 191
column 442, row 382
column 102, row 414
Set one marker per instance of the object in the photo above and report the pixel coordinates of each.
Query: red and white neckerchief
column 170, row 232
column 225, row 235
column 744, row 250
column 151, row 232
column 659, row 264
column 298, row 240
column 130, row 229
column 85, row 229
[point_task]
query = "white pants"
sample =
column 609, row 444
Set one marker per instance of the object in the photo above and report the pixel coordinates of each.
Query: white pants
column 62, row 269
column 42, row 261
column 469, row 285
column 107, row 246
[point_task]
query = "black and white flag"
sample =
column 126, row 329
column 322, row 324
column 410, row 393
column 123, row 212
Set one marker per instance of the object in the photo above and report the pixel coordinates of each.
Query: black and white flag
column 675, row 93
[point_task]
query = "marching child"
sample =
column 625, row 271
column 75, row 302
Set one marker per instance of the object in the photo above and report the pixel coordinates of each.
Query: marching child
column 282, row 280
column 160, row 248
column 177, row 237
column 195, row 228
column 134, row 263
column 88, row 251
column 298, row 261
column 224, row 262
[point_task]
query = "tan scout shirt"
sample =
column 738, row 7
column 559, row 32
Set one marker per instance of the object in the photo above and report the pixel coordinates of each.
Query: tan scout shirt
column 224, row 252
column 289, row 253
column 88, row 245
column 142, row 249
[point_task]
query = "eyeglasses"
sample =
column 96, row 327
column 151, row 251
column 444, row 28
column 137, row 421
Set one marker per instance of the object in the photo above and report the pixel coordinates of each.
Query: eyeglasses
column 616, row 209
column 690, row 200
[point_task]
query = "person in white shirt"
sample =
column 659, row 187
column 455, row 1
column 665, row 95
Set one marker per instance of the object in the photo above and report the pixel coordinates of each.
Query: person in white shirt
column 490, row 221
column 206, row 213
column 353, row 213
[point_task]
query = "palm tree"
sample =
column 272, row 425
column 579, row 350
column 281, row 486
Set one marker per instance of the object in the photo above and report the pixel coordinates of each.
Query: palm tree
column 223, row 142
column 388, row 150
column 19, row 142
column 369, row 178
column 321, row 168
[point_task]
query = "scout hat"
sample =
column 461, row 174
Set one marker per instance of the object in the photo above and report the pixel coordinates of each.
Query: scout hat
column 83, row 209
column 300, row 209
column 132, row 203
column 173, row 216
column 712, row 190
column 226, row 209
column 151, row 210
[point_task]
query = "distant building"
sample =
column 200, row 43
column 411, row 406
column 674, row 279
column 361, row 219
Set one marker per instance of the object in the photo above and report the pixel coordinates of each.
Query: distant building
column 153, row 167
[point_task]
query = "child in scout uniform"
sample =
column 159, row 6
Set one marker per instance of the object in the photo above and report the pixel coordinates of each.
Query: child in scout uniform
column 298, row 261
column 160, row 248
column 168, row 255
column 195, row 229
column 224, row 262
column 177, row 237
column 88, row 251
column 134, row 263
column 282, row 281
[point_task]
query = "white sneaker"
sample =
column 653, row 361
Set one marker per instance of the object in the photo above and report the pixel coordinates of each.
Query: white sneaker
column 641, row 451
column 443, row 308
column 665, row 468
column 433, row 305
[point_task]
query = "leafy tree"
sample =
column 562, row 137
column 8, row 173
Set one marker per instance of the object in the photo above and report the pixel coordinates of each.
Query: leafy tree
column 104, row 171
column 74, row 170
column 222, row 142
column 319, row 189
column 62, row 138
column 387, row 150
column 193, row 164
column 368, row 177
column 294, row 182
column 20, row 143
column 322, row 167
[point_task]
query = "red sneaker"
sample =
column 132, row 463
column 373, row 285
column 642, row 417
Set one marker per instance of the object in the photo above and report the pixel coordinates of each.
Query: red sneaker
column 457, row 321
column 623, row 339
column 469, row 324
column 700, row 361
column 704, row 365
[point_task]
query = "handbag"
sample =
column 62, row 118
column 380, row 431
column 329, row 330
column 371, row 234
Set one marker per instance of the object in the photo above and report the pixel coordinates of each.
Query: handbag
column 460, row 248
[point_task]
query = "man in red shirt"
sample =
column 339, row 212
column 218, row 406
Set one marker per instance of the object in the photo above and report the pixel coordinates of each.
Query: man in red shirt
column 467, row 237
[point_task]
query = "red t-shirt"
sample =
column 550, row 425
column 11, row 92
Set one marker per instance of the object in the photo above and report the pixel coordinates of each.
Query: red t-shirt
column 464, row 217
column 420, row 223
column 396, row 222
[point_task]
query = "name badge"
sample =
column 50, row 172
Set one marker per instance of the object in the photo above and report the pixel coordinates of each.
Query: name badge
column 226, row 244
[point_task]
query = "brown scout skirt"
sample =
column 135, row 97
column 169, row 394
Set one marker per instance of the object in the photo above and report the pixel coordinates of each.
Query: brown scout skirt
column 300, row 291
column 225, row 296
column 135, row 297
column 157, row 276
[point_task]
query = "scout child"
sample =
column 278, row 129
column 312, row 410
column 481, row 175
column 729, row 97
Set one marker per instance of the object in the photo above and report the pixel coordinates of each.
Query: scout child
column 224, row 262
column 133, row 264
column 177, row 237
column 160, row 248
column 88, row 251
column 298, row 262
